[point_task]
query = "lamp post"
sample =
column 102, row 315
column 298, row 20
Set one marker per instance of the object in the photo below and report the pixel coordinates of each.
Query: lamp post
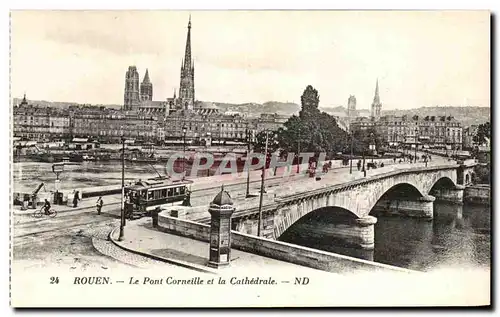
column 57, row 168
column 404, row 147
column 184, row 131
column 262, row 186
column 372, row 144
column 416, row 144
column 122, row 213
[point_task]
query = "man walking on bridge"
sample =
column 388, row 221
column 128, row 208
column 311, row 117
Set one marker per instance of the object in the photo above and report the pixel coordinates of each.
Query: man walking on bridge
column 99, row 204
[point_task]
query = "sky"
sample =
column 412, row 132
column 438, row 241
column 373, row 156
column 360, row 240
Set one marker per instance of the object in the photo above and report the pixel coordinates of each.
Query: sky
column 421, row 58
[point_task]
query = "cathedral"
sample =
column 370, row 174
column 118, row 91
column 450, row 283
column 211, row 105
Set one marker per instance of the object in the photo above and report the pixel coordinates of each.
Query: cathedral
column 140, row 96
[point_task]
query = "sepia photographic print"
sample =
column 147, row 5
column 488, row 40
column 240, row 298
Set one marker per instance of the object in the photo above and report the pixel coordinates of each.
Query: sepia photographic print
column 275, row 158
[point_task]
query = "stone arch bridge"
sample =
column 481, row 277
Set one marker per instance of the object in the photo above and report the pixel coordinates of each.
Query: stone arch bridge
column 350, row 206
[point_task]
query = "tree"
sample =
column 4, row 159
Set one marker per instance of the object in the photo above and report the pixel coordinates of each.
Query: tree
column 259, row 145
column 483, row 132
column 315, row 131
column 310, row 103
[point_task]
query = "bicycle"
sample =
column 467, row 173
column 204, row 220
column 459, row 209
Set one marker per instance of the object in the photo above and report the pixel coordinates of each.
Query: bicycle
column 39, row 213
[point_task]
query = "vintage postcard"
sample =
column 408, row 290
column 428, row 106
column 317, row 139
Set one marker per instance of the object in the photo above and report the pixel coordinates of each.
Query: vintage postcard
column 250, row 158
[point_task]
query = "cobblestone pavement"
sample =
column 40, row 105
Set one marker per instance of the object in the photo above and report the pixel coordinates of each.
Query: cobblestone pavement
column 108, row 248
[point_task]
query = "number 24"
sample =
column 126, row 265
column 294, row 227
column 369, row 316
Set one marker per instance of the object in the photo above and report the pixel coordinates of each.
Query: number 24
column 54, row 280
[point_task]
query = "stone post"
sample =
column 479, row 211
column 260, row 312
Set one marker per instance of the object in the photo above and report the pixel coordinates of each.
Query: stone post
column 221, row 210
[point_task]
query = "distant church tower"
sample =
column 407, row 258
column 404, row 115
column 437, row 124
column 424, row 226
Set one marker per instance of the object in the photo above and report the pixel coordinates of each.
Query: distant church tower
column 186, row 90
column 131, row 98
column 351, row 108
column 376, row 105
column 146, row 88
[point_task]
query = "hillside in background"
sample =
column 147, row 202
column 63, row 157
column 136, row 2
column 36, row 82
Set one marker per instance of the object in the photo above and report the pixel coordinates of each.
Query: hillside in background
column 59, row 104
column 466, row 115
column 255, row 109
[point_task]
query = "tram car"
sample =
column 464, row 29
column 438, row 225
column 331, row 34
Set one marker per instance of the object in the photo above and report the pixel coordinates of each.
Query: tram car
column 145, row 196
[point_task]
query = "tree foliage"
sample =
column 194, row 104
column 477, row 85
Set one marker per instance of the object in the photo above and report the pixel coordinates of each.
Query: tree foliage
column 483, row 132
column 312, row 130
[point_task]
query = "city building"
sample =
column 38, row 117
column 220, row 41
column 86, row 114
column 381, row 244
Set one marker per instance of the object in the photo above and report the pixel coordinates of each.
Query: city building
column 428, row 132
column 362, row 123
column 468, row 137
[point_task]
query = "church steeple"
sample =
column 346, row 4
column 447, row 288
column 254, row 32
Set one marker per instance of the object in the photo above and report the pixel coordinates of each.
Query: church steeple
column 376, row 105
column 187, row 54
column 376, row 99
column 24, row 102
column 146, row 78
column 146, row 88
column 186, row 90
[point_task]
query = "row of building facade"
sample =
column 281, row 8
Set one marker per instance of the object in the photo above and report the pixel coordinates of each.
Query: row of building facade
column 109, row 125
column 428, row 131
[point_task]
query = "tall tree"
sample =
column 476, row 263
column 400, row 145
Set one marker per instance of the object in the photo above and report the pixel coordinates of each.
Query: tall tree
column 310, row 103
column 483, row 132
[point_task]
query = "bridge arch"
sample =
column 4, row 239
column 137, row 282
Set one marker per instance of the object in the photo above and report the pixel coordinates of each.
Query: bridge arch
column 335, row 225
column 442, row 183
column 408, row 190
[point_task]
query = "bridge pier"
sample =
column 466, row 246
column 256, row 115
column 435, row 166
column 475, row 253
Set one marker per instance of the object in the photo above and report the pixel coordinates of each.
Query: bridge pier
column 422, row 207
column 451, row 195
column 358, row 233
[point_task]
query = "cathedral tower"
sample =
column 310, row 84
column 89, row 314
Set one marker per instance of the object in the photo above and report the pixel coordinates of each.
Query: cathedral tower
column 146, row 88
column 376, row 105
column 132, row 97
column 351, row 108
column 186, row 90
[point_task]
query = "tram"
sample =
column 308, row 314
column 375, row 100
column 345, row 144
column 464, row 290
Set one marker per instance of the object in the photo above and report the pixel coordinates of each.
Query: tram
column 144, row 196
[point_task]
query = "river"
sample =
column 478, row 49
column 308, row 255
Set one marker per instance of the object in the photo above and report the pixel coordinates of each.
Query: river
column 458, row 236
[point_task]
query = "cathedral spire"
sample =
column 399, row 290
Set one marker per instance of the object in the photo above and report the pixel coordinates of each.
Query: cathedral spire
column 376, row 99
column 376, row 105
column 24, row 102
column 186, row 89
column 146, row 78
column 187, row 55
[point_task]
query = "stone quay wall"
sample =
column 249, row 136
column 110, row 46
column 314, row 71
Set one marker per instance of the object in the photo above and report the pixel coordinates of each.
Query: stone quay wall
column 283, row 251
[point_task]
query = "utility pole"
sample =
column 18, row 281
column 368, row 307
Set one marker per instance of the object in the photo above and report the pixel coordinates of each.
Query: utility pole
column 122, row 223
column 298, row 154
column 262, row 186
column 247, row 162
column 352, row 145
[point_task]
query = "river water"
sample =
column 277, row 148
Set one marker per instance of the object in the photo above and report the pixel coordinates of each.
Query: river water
column 459, row 235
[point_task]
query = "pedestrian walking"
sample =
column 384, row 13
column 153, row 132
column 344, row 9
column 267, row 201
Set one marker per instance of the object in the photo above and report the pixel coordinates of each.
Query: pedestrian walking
column 99, row 204
column 359, row 165
column 76, row 198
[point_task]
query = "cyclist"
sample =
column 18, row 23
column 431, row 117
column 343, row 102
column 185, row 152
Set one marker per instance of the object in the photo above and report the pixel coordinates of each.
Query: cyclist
column 46, row 207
